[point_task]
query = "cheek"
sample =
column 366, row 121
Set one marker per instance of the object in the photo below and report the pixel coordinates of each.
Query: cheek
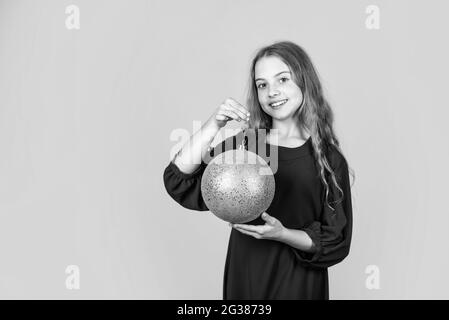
column 296, row 92
column 293, row 89
column 299, row 96
column 262, row 97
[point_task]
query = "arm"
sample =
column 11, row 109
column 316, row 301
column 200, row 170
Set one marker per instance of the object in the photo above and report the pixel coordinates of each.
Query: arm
column 298, row 239
column 332, row 233
column 322, row 243
column 182, row 176
column 274, row 230
column 188, row 159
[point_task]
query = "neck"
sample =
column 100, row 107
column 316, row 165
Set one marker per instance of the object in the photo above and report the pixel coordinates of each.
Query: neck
column 289, row 129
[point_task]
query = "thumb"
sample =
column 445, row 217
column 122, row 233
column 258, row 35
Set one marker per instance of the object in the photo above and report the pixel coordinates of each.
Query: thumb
column 268, row 218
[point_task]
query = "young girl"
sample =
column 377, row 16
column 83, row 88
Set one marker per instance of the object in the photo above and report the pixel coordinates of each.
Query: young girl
column 285, row 253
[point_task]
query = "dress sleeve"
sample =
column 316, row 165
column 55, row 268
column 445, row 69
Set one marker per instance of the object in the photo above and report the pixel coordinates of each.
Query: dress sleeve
column 185, row 188
column 332, row 234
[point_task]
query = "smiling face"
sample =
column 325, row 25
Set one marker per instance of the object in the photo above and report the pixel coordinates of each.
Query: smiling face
column 278, row 94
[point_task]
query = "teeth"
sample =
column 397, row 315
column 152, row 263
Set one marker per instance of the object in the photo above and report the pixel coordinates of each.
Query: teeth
column 278, row 103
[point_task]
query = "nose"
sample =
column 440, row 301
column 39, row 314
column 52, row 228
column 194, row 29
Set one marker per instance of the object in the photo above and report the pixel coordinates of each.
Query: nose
column 273, row 93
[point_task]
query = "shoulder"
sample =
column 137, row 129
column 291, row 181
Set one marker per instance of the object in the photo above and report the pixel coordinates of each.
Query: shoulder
column 336, row 158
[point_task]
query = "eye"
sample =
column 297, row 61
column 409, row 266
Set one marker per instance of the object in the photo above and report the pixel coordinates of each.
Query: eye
column 261, row 85
column 284, row 78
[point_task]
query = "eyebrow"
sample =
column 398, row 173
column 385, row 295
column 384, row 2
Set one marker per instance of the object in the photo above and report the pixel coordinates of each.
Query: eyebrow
column 274, row 75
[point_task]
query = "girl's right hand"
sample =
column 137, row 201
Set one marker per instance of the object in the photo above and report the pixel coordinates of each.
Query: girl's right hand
column 230, row 110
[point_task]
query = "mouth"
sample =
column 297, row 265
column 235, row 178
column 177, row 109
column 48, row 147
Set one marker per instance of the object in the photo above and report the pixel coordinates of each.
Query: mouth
column 277, row 104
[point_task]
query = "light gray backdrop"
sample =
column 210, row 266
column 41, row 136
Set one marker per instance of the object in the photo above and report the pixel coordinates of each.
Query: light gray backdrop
column 86, row 117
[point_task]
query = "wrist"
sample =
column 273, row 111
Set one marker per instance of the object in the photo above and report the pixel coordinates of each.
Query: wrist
column 211, row 127
column 283, row 234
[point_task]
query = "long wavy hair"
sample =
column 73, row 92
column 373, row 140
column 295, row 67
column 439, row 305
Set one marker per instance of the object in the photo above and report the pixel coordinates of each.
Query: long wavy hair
column 315, row 114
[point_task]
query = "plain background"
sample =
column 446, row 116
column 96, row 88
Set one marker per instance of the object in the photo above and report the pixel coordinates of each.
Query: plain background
column 86, row 117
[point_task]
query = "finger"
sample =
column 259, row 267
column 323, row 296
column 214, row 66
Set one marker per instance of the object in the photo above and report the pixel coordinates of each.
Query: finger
column 249, row 233
column 236, row 112
column 268, row 218
column 236, row 104
column 228, row 110
column 239, row 107
column 221, row 117
column 242, row 113
column 256, row 229
column 229, row 113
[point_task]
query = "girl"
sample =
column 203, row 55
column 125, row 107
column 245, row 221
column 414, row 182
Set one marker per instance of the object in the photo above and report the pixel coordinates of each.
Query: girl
column 286, row 252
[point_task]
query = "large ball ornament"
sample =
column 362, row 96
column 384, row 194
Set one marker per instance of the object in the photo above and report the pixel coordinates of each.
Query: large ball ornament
column 237, row 186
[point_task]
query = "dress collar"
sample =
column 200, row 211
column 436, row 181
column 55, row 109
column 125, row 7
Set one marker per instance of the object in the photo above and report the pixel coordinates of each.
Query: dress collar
column 287, row 153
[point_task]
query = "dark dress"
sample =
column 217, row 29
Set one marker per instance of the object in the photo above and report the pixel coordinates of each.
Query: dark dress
column 269, row 269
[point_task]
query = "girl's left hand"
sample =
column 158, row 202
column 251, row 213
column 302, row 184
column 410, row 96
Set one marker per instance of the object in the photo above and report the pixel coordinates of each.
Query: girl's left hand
column 272, row 229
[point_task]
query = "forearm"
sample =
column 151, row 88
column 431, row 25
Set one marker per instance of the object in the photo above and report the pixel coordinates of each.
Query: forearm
column 189, row 157
column 297, row 239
